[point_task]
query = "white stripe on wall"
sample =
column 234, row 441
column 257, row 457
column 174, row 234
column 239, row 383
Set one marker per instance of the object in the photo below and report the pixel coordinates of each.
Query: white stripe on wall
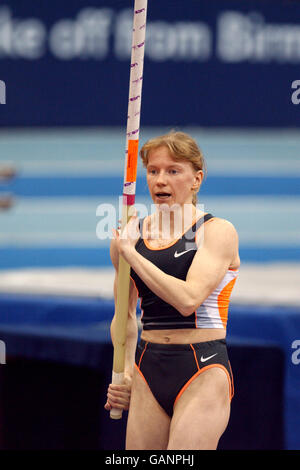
column 262, row 221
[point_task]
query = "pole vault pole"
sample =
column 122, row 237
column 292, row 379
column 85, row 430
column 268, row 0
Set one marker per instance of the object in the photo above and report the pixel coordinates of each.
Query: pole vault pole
column 130, row 170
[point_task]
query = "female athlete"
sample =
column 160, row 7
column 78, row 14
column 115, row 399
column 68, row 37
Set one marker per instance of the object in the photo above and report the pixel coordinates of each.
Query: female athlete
column 184, row 263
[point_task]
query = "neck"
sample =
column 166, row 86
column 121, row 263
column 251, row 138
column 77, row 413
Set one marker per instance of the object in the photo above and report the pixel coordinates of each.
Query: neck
column 171, row 222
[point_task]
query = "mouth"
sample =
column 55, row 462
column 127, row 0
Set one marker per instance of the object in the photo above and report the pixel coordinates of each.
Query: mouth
column 163, row 196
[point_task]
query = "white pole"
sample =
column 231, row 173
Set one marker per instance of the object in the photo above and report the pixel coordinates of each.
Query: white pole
column 130, row 170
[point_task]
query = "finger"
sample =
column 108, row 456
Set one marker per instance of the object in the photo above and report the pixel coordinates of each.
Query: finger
column 120, row 388
column 113, row 400
column 118, row 399
column 117, row 394
column 121, row 406
column 133, row 229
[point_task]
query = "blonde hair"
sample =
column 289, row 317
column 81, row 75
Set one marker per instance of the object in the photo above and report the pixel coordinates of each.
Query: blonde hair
column 181, row 147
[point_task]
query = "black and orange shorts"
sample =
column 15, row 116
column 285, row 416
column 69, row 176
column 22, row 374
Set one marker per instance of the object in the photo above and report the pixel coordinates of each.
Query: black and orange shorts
column 168, row 369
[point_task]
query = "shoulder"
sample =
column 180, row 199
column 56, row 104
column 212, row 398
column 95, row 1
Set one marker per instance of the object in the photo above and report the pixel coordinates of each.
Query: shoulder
column 219, row 225
column 218, row 232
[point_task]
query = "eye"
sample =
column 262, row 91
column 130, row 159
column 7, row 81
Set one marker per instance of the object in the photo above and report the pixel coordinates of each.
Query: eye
column 173, row 171
column 151, row 171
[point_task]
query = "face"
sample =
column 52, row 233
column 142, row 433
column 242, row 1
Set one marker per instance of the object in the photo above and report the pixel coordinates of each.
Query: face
column 170, row 181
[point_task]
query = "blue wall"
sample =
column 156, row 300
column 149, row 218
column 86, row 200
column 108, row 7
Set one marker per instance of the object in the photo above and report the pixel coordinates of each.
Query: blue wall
column 208, row 63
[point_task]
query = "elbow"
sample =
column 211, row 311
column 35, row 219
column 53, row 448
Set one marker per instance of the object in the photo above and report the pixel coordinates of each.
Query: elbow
column 190, row 300
column 188, row 308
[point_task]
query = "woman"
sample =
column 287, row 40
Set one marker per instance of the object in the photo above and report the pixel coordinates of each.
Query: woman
column 183, row 268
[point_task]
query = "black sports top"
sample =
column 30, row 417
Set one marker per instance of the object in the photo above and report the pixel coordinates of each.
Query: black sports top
column 175, row 260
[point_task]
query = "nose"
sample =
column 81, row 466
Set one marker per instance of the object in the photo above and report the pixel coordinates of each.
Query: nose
column 161, row 178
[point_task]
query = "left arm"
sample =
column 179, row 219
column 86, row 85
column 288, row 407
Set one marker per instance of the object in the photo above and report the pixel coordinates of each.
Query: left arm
column 208, row 268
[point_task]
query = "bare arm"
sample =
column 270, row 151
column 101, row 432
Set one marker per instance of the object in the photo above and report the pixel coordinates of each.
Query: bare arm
column 119, row 395
column 212, row 260
column 132, row 329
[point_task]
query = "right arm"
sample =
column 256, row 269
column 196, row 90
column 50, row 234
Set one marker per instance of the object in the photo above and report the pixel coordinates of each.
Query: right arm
column 119, row 395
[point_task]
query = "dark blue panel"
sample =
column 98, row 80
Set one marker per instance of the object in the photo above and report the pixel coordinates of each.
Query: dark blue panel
column 207, row 63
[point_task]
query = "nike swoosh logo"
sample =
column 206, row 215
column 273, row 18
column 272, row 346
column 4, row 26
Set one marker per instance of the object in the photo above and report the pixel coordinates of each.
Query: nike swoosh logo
column 176, row 255
column 204, row 359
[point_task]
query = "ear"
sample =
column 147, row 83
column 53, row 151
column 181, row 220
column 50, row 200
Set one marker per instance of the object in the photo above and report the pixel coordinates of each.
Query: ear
column 198, row 178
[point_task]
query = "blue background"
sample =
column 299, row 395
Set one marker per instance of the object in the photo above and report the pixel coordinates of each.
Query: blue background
column 49, row 91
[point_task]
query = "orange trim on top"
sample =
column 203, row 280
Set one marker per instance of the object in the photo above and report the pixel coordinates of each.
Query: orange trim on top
column 174, row 241
column 200, row 372
column 223, row 301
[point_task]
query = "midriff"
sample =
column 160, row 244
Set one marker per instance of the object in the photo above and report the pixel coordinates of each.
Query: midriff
column 183, row 336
